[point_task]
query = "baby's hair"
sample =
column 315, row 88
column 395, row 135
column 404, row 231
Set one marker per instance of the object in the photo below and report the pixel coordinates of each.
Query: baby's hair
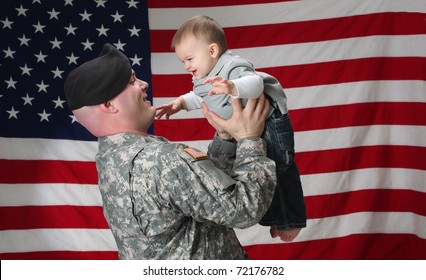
column 202, row 27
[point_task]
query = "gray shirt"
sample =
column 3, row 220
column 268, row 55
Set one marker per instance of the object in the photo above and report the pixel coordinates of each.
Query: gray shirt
column 161, row 202
column 235, row 68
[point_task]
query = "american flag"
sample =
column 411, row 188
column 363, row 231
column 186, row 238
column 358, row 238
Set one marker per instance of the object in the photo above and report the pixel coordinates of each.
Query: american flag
column 355, row 77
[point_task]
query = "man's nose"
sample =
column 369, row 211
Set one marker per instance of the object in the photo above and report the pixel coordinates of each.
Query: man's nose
column 144, row 85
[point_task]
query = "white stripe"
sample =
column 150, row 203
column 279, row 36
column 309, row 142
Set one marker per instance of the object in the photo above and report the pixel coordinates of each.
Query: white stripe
column 356, row 92
column 49, row 194
column 47, row 149
column 335, row 94
column 36, row 149
column 335, row 138
column 357, row 136
column 341, row 226
column 39, row 240
column 312, row 52
column 364, row 179
column 242, row 15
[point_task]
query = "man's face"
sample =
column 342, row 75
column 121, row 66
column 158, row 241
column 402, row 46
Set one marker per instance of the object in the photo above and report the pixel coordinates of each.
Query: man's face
column 136, row 111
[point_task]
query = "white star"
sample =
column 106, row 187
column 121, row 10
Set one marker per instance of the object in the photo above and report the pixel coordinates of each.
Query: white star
column 70, row 29
column 24, row 40
column 117, row 17
column 44, row 116
column 134, row 31
column 135, row 60
column 87, row 45
column 13, row 113
column 9, row 52
column 27, row 100
column 53, row 14
column 100, row 3
column 68, row 2
column 56, row 43
column 57, row 73
column 120, row 45
column 73, row 118
column 42, row 87
column 10, row 83
column 72, row 59
column 7, row 23
column 21, row 11
column 40, row 57
column 26, row 70
column 38, row 27
column 132, row 3
column 102, row 30
column 85, row 16
column 36, row 1
column 58, row 102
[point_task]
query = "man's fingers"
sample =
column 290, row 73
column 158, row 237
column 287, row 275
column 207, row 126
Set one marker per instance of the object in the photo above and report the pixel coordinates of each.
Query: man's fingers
column 236, row 105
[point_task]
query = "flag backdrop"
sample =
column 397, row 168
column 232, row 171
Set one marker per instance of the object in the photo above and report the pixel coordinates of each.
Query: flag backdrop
column 354, row 73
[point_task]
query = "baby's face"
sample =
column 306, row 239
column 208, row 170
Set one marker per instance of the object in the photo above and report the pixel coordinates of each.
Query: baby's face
column 196, row 56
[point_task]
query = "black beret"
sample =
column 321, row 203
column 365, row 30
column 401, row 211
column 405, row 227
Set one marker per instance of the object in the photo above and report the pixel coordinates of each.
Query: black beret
column 98, row 80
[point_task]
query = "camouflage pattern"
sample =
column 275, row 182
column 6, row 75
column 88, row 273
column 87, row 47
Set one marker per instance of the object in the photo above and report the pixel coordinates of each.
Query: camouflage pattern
column 162, row 203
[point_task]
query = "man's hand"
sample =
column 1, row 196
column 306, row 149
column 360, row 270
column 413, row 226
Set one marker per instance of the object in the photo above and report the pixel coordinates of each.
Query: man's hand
column 245, row 122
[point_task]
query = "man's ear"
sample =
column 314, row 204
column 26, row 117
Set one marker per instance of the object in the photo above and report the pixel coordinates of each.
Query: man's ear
column 108, row 107
column 214, row 50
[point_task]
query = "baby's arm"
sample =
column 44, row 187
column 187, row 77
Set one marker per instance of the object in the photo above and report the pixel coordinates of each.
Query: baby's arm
column 189, row 101
column 170, row 108
column 250, row 86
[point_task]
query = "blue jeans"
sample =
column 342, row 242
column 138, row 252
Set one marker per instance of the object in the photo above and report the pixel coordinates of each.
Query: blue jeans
column 287, row 209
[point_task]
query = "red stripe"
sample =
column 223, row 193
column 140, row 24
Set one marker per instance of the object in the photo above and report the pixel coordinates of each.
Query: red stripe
column 61, row 255
column 353, row 247
column 196, row 4
column 333, row 72
column 354, row 70
column 184, row 130
column 29, row 217
column 319, row 30
column 361, row 157
column 375, row 200
column 47, row 171
column 379, row 113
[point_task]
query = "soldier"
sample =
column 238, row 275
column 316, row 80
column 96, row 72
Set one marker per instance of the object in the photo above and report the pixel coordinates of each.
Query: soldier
column 165, row 200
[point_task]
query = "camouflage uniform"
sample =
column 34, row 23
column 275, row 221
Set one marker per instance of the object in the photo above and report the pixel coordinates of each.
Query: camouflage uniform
column 163, row 203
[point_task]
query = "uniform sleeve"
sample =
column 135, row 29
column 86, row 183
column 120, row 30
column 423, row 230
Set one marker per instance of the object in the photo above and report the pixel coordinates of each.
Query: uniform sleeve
column 197, row 188
column 222, row 153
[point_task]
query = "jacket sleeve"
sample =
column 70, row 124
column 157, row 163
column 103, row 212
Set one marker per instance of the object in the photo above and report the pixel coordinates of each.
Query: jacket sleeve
column 248, row 83
column 192, row 101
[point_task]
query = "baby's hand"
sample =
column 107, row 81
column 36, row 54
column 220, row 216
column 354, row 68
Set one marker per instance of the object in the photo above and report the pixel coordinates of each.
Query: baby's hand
column 286, row 235
column 169, row 109
column 220, row 86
